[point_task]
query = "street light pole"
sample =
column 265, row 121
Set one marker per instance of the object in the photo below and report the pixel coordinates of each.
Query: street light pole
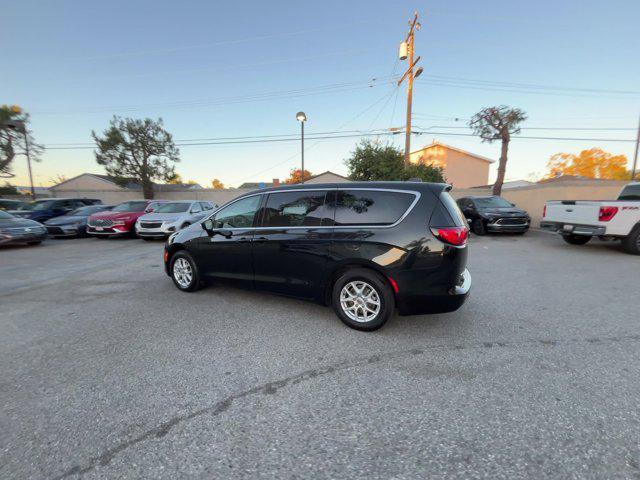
column 302, row 150
column 635, row 155
column 301, row 117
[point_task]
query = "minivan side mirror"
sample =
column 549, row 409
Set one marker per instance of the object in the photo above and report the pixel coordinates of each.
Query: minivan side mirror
column 208, row 226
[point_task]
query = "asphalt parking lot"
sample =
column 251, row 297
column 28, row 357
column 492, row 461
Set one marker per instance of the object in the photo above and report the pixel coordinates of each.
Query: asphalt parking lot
column 108, row 371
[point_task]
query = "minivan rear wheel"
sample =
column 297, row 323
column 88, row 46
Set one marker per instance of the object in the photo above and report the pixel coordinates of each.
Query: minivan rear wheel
column 362, row 299
column 184, row 272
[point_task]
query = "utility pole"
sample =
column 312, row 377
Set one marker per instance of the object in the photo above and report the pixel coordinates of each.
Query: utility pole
column 406, row 52
column 635, row 155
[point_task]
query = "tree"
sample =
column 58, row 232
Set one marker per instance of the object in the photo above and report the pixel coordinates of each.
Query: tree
column 592, row 163
column 498, row 123
column 295, row 176
column 372, row 160
column 8, row 189
column 59, row 178
column 12, row 139
column 176, row 180
column 217, row 184
column 140, row 150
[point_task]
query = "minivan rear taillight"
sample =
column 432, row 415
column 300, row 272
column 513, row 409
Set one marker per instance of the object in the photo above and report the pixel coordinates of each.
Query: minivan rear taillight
column 544, row 211
column 607, row 213
column 456, row 236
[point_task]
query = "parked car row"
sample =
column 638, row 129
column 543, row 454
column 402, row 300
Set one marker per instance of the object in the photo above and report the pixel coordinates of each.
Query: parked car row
column 148, row 219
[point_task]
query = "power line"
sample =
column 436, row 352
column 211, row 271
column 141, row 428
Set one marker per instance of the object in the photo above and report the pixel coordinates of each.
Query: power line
column 355, row 117
column 363, row 134
column 329, row 88
column 230, row 41
column 368, row 131
column 489, row 88
column 533, row 85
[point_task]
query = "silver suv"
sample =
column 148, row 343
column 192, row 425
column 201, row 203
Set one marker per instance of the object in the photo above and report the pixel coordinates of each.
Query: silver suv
column 171, row 217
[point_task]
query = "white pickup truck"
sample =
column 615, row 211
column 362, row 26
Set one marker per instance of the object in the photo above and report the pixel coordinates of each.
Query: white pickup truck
column 580, row 220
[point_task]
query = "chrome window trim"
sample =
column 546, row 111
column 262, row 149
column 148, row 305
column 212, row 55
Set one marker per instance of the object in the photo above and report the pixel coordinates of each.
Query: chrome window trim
column 415, row 193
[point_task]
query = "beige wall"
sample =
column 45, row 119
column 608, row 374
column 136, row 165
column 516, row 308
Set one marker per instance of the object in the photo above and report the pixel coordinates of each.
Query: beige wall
column 218, row 196
column 532, row 198
column 460, row 169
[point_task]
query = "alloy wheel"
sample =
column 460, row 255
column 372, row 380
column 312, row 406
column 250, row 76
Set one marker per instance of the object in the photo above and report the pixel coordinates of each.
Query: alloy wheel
column 360, row 301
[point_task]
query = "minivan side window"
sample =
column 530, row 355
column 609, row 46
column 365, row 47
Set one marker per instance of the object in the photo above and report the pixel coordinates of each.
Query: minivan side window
column 295, row 209
column 239, row 214
column 370, row 207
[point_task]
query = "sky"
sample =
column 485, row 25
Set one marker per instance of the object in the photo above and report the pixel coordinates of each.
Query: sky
column 214, row 71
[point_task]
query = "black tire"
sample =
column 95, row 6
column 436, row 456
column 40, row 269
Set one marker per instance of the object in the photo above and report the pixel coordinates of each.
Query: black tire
column 479, row 227
column 195, row 282
column 631, row 243
column 35, row 243
column 374, row 282
column 576, row 239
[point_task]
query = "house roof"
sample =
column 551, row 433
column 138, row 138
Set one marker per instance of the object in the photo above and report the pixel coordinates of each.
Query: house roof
column 330, row 173
column 440, row 144
column 255, row 185
column 132, row 184
column 510, row 183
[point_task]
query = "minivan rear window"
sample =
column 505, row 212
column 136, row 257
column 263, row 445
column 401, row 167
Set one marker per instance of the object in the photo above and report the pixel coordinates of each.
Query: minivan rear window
column 370, row 207
column 452, row 208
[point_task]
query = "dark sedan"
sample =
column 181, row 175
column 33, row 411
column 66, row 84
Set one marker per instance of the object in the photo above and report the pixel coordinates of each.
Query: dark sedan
column 494, row 214
column 74, row 223
column 44, row 209
column 20, row 230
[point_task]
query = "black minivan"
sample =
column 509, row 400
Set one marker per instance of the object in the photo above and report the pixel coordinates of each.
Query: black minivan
column 363, row 247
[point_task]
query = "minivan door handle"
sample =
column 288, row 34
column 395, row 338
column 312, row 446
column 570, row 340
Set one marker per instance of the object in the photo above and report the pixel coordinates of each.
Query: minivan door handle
column 260, row 239
column 244, row 240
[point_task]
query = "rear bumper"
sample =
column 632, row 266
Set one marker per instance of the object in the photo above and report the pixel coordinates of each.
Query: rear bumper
column 453, row 300
column 572, row 229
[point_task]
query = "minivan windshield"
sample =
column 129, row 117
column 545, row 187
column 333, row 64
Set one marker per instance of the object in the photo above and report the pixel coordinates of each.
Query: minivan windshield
column 130, row 207
column 177, row 207
column 491, row 202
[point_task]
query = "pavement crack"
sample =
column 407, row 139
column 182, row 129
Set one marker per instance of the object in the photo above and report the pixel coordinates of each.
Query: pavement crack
column 271, row 388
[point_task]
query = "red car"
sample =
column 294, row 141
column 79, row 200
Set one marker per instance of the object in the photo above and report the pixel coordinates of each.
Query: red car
column 121, row 219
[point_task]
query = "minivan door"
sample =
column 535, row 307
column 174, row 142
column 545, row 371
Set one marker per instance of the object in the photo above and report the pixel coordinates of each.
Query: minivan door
column 291, row 243
column 229, row 257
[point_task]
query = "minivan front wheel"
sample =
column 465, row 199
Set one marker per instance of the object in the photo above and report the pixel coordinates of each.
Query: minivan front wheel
column 362, row 299
column 184, row 272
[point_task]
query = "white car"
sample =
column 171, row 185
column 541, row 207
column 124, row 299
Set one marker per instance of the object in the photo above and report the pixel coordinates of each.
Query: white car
column 580, row 220
column 171, row 217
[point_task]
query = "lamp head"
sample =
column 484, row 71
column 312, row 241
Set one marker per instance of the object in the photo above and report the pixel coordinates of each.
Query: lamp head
column 301, row 117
